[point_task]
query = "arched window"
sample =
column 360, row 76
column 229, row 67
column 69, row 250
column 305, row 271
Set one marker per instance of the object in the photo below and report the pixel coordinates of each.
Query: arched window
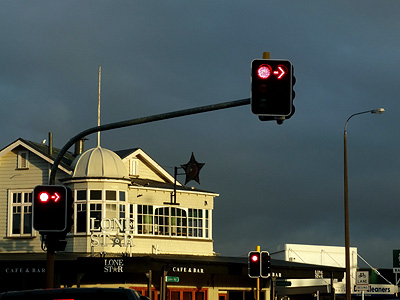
column 173, row 221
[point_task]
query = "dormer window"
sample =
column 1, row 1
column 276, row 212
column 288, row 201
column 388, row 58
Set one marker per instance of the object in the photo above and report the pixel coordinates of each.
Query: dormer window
column 23, row 159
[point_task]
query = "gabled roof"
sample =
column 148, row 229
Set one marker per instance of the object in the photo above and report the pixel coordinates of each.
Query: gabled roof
column 151, row 163
column 156, row 168
column 126, row 152
column 42, row 151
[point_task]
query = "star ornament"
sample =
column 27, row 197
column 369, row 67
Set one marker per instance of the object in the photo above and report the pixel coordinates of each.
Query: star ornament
column 192, row 170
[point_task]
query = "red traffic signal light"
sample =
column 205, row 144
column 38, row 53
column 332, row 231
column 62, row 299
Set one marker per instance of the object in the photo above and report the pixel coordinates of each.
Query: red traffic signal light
column 271, row 87
column 254, row 264
column 259, row 264
column 50, row 208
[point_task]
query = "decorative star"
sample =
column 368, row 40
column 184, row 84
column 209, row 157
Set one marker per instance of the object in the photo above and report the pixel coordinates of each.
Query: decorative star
column 117, row 241
column 192, row 170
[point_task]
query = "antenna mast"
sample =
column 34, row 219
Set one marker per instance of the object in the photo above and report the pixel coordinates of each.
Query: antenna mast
column 98, row 109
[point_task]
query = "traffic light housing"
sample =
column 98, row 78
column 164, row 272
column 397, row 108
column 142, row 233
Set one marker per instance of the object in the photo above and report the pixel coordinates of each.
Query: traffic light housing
column 259, row 264
column 265, row 264
column 272, row 89
column 254, row 264
column 50, row 208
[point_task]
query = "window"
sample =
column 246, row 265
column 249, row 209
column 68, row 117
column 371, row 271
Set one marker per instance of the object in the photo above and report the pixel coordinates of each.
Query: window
column 81, row 220
column 145, row 219
column 161, row 221
column 134, row 167
column 121, row 196
column 172, row 221
column 20, row 213
column 95, row 209
column 195, row 222
column 81, row 211
column 178, row 222
column 111, row 211
column 95, row 216
column 22, row 162
column 111, row 195
column 95, row 194
column 93, row 206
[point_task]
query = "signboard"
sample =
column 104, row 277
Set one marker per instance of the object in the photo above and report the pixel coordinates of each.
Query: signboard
column 362, row 287
column 396, row 261
column 362, row 277
column 171, row 279
column 283, row 283
column 381, row 289
column 362, row 281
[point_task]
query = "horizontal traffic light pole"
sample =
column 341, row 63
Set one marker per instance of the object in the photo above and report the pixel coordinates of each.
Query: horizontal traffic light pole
column 143, row 120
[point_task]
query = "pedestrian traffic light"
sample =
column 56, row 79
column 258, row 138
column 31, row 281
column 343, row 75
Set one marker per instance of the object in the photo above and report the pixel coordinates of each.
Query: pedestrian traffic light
column 50, row 205
column 265, row 264
column 254, row 264
column 272, row 88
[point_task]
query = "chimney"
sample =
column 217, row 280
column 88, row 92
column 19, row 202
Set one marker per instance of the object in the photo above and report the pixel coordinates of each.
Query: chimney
column 79, row 147
column 50, row 144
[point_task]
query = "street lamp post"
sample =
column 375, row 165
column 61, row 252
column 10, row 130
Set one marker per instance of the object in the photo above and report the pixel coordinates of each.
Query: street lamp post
column 346, row 202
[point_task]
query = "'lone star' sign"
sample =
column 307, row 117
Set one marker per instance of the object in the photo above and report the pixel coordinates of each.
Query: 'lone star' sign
column 192, row 170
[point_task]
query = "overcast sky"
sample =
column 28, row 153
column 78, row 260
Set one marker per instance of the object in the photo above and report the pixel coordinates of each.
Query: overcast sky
column 277, row 183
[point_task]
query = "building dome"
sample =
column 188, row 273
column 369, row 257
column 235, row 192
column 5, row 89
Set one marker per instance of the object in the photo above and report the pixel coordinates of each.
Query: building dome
column 99, row 162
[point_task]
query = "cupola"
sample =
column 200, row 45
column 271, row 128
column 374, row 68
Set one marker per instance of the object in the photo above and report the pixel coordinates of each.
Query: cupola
column 99, row 163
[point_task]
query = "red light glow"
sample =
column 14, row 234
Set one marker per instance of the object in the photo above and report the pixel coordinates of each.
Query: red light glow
column 44, row 197
column 55, row 197
column 264, row 71
column 254, row 258
column 280, row 72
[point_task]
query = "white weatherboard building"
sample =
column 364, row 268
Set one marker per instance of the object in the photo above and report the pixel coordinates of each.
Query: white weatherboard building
column 118, row 196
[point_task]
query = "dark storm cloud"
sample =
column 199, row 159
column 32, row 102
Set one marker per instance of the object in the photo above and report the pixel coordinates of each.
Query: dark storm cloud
column 285, row 181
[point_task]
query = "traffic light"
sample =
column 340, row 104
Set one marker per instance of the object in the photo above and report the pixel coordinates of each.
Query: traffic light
column 50, row 208
column 272, row 88
column 265, row 264
column 254, row 264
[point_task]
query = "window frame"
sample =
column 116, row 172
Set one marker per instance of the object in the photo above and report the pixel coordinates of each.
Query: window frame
column 21, row 160
column 178, row 223
column 134, row 167
column 22, row 205
column 80, row 206
column 98, row 205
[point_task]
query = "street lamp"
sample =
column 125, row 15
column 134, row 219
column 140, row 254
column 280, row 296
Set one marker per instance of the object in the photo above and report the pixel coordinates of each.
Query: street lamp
column 346, row 201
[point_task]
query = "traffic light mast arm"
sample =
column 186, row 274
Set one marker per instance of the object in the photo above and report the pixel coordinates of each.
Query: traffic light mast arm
column 154, row 118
